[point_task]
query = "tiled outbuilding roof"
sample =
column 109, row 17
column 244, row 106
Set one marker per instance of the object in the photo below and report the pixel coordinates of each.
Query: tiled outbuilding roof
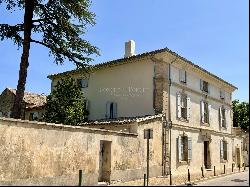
column 32, row 100
column 135, row 57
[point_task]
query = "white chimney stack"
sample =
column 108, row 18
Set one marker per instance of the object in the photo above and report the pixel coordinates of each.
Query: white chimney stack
column 129, row 48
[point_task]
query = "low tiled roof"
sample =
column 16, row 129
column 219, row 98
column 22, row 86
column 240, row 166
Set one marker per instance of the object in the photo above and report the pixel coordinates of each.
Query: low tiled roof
column 129, row 59
column 122, row 120
column 32, row 100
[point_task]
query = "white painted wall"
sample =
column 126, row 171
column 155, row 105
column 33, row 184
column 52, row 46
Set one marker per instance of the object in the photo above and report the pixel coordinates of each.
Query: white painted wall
column 193, row 82
column 129, row 85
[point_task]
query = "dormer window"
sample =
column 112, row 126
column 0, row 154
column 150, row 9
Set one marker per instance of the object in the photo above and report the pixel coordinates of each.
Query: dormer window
column 204, row 86
column 183, row 76
column 222, row 94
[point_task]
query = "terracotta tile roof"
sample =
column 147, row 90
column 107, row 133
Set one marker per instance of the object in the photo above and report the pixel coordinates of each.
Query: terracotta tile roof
column 32, row 100
column 130, row 59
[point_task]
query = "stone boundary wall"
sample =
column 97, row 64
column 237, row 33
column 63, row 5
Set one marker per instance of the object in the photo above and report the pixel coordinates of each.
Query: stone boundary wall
column 39, row 153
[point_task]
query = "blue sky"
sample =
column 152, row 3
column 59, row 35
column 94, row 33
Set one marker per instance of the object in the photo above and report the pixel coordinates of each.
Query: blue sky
column 213, row 34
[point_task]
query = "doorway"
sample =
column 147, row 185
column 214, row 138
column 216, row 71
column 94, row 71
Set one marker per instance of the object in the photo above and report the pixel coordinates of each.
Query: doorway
column 207, row 160
column 238, row 157
column 104, row 161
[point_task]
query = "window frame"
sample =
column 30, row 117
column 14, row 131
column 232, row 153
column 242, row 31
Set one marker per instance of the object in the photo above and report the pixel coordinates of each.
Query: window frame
column 183, row 76
column 81, row 81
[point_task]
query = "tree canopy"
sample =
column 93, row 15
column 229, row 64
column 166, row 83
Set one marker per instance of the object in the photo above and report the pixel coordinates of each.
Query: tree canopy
column 58, row 25
column 241, row 114
column 66, row 104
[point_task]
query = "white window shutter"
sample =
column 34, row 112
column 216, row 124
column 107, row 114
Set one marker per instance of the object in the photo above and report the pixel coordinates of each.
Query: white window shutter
column 86, row 104
column 108, row 110
column 226, row 124
column 185, row 76
column 115, row 110
column 180, row 75
column 189, row 148
column 221, row 149
column 209, row 114
column 188, row 107
column 202, row 111
column 220, row 117
column 178, row 105
column 179, row 148
column 201, row 84
column 208, row 88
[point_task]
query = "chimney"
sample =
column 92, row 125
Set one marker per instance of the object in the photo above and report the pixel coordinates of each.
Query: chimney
column 129, row 48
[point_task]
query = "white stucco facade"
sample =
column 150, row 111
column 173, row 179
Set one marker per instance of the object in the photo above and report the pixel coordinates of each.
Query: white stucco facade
column 134, row 88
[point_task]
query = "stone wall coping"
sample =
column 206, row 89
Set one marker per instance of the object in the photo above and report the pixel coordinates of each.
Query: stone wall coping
column 34, row 124
column 122, row 121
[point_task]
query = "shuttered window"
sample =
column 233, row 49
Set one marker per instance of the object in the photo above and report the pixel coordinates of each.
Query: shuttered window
column 1, row 114
column 184, row 148
column 183, row 76
column 222, row 94
column 111, row 110
column 83, row 83
column 183, row 106
column 205, row 112
column 222, row 117
column 223, row 150
column 86, row 104
column 204, row 86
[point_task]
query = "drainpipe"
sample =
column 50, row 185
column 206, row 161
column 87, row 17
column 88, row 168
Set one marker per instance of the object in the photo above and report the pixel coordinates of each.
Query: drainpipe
column 169, row 117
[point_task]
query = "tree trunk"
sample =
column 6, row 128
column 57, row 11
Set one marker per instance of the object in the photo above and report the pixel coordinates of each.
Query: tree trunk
column 18, row 107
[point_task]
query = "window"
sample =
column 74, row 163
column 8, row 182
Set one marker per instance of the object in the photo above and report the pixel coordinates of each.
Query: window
column 8, row 114
column 205, row 112
column 183, row 76
column 204, row 86
column 1, row 114
column 183, row 106
column 184, row 148
column 111, row 110
column 222, row 94
column 86, row 104
column 222, row 117
column 33, row 116
column 223, row 150
column 83, row 83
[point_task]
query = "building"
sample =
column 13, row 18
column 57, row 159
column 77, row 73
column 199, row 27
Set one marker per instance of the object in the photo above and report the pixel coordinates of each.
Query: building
column 34, row 104
column 195, row 104
column 237, row 131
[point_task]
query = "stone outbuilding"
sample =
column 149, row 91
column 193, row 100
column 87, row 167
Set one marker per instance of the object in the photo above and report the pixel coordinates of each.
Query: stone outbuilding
column 33, row 104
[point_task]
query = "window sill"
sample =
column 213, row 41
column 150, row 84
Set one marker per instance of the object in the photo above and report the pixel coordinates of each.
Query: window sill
column 205, row 124
column 204, row 92
column 183, row 120
column 183, row 162
column 223, row 161
column 184, row 83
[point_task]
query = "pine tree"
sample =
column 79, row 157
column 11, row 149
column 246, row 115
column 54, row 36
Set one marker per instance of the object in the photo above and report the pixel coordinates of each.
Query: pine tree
column 58, row 25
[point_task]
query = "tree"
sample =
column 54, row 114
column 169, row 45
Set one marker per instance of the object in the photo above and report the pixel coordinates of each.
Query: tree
column 57, row 25
column 65, row 104
column 240, row 114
